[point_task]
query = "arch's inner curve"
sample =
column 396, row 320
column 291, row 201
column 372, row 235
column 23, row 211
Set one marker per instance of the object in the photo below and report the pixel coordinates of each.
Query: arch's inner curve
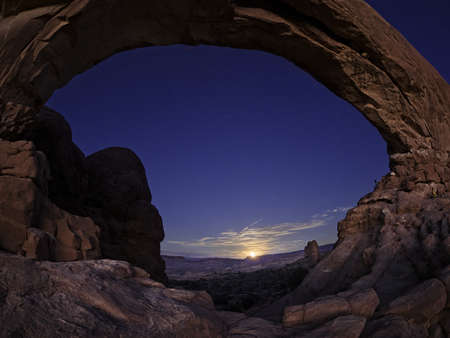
column 228, row 138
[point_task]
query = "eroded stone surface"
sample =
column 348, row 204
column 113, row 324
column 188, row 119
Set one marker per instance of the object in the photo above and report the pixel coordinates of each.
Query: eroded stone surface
column 256, row 327
column 421, row 303
column 363, row 302
column 360, row 303
column 101, row 298
column 27, row 212
column 312, row 253
column 394, row 326
column 342, row 327
column 93, row 207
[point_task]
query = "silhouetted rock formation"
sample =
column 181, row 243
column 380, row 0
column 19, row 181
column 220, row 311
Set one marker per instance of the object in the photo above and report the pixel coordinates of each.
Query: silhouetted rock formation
column 58, row 205
column 312, row 253
column 119, row 200
column 396, row 241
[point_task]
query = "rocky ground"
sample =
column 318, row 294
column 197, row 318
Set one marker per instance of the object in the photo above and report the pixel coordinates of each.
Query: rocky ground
column 107, row 298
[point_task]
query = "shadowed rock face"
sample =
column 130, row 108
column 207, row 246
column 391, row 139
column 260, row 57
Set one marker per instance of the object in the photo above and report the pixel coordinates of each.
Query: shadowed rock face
column 394, row 239
column 58, row 205
column 118, row 199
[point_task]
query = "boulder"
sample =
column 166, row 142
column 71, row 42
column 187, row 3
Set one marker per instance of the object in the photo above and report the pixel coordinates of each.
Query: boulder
column 294, row 315
column 317, row 311
column 342, row 327
column 421, row 303
column 363, row 303
column 394, row 326
column 256, row 327
column 360, row 303
column 119, row 200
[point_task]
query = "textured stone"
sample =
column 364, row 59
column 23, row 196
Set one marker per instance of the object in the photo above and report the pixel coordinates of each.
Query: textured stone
column 31, row 223
column 312, row 253
column 325, row 308
column 422, row 302
column 256, row 327
column 76, row 237
column 349, row 48
column 394, row 326
column 358, row 303
column 294, row 315
column 18, row 204
column 62, row 192
column 363, row 303
column 23, row 170
column 342, row 327
column 101, row 298
column 39, row 245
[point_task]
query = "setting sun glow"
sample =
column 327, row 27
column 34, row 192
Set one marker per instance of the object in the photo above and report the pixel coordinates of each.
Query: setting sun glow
column 252, row 254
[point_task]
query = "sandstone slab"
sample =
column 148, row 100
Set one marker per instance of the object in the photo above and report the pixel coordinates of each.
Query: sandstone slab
column 342, row 327
column 394, row 326
column 96, row 298
column 422, row 302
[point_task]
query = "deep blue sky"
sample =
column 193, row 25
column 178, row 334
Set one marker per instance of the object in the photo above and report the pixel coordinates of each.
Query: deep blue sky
column 243, row 151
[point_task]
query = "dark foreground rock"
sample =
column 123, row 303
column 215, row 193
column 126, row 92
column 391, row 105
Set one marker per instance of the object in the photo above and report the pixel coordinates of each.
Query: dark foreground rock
column 101, row 298
column 107, row 298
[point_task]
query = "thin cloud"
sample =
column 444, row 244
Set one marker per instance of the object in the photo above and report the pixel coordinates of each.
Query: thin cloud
column 263, row 239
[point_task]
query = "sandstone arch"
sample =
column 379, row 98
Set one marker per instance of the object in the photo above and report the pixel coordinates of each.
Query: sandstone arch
column 395, row 237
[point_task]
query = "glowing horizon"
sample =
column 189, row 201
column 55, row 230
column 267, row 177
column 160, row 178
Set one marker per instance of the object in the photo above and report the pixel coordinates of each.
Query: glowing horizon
column 259, row 239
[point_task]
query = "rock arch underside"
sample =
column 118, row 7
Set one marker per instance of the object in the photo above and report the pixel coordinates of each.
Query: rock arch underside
column 389, row 273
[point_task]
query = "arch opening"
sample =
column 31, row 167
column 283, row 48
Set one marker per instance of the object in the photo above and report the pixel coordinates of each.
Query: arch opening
column 228, row 138
column 240, row 161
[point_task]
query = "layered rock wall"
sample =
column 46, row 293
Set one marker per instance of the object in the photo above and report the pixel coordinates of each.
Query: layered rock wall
column 57, row 205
